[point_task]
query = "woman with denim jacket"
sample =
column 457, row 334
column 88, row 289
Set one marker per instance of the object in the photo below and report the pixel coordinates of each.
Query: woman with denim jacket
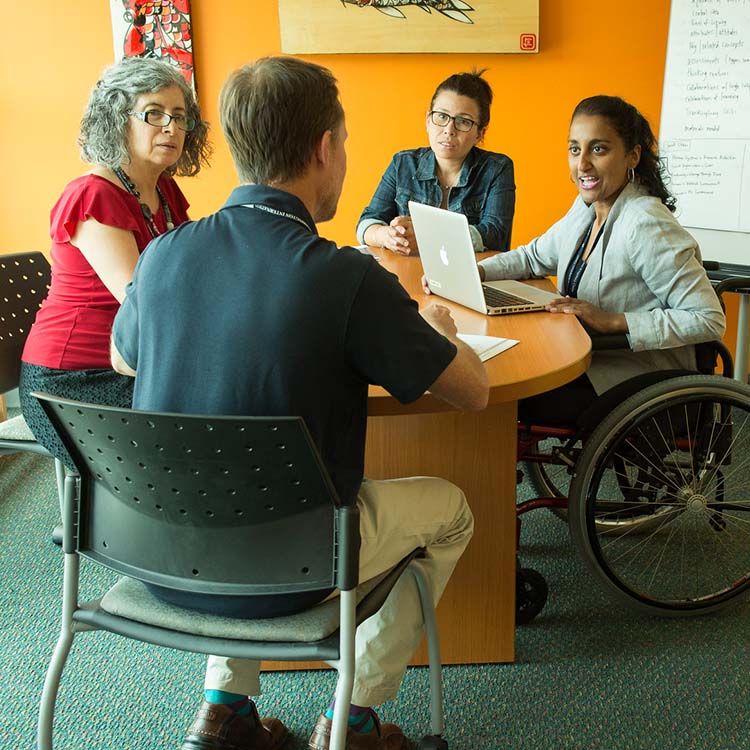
column 453, row 173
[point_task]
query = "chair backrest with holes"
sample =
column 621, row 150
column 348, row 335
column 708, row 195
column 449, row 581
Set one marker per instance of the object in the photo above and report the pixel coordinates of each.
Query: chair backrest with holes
column 233, row 506
column 24, row 281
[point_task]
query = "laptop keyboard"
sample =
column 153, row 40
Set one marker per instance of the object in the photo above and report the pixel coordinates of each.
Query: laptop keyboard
column 495, row 298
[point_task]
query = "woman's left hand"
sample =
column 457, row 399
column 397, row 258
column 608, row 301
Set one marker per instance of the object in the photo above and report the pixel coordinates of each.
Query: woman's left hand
column 594, row 317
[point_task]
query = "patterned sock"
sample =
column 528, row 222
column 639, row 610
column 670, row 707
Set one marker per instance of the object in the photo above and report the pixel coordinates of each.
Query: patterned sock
column 361, row 718
column 240, row 704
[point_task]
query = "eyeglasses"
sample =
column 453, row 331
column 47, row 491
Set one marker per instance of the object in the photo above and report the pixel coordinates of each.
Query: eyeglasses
column 441, row 119
column 160, row 119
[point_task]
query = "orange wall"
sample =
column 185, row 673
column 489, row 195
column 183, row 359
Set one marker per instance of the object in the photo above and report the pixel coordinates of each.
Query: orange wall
column 587, row 47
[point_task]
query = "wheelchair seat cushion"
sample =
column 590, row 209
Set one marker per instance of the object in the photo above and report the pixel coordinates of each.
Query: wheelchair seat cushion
column 607, row 401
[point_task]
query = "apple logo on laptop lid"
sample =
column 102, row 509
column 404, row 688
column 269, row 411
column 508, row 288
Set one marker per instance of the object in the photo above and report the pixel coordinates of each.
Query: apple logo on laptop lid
column 444, row 255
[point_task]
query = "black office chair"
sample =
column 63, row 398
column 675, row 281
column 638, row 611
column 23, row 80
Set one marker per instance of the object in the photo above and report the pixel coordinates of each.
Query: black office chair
column 217, row 507
column 24, row 280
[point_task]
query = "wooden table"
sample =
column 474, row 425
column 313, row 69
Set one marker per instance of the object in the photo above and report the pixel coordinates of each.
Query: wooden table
column 476, row 615
column 477, row 452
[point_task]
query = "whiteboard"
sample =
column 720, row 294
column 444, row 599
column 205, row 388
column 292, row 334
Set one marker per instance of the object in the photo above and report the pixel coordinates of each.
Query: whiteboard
column 705, row 123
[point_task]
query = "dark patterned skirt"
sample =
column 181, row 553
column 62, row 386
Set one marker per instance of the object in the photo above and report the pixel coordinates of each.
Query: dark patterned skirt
column 94, row 386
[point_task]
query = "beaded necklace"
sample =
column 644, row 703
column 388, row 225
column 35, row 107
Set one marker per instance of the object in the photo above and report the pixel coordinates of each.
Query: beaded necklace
column 145, row 210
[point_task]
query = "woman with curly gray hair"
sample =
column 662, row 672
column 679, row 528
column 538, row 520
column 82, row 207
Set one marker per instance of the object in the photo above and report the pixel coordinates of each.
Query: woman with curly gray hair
column 141, row 126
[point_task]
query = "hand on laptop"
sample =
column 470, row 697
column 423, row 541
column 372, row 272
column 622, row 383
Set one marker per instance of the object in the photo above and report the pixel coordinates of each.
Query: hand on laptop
column 440, row 318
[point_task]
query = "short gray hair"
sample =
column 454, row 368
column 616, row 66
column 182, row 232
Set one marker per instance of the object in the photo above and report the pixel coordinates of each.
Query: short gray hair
column 274, row 113
column 104, row 126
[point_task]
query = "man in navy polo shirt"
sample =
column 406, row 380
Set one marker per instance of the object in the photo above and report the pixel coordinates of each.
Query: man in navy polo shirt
column 250, row 311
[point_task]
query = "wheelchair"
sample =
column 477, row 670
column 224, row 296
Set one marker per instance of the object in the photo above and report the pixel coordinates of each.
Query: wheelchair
column 654, row 483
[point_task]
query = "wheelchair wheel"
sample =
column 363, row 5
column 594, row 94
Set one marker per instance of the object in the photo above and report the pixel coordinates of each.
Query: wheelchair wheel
column 554, row 480
column 674, row 462
column 549, row 479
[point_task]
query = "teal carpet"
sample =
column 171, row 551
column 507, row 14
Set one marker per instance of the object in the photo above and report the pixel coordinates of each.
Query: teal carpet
column 589, row 675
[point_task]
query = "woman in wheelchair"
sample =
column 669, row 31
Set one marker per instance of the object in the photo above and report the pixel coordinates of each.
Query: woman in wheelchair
column 647, row 459
column 623, row 262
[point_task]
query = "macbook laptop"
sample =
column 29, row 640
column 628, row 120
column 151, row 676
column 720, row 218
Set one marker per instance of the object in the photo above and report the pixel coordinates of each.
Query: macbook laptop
column 450, row 265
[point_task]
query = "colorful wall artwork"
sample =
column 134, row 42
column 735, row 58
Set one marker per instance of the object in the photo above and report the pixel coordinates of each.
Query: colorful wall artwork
column 338, row 26
column 154, row 28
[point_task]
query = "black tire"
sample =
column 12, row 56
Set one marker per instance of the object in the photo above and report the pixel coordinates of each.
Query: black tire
column 531, row 594
column 685, row 446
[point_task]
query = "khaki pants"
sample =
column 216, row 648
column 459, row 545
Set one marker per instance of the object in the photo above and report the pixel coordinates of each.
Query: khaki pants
column 396, row 516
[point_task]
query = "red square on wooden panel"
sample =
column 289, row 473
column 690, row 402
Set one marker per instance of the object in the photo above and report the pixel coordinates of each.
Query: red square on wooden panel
column 528, row 42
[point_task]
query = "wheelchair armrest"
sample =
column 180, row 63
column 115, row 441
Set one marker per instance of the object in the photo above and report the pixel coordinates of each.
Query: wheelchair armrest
column 732, row 284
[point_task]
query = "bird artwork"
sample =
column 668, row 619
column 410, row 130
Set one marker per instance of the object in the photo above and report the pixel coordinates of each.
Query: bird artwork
column 454, row 9
column 154, row 28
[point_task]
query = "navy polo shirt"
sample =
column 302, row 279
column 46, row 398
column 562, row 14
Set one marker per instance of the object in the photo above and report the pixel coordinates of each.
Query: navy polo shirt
column 250, row 312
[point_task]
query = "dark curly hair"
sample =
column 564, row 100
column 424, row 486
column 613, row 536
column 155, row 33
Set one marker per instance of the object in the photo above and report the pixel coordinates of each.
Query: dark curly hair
column 471, row 85
column 634, row 130
column 104, row 127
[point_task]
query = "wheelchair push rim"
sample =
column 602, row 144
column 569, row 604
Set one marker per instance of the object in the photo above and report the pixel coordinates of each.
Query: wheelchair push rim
column 553, row 479
column 686, row 444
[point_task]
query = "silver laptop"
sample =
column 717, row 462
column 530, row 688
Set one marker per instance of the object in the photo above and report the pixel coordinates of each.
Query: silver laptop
column 450, row 266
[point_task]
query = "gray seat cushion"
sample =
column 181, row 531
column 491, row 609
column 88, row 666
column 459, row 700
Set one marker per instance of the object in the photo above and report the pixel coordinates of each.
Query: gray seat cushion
column 131, row 599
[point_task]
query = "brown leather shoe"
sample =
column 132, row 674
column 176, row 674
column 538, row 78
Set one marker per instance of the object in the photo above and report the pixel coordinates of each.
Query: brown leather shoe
column 382, row 737
column 217, row 727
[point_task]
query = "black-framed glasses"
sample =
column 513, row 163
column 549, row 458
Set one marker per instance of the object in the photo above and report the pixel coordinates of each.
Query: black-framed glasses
column 441, row 119
column 160, row 119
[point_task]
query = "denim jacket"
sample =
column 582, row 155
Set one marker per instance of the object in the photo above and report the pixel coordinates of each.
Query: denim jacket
column 485, row 193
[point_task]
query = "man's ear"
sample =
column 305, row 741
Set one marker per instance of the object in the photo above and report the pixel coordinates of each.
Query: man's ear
column 324, row 149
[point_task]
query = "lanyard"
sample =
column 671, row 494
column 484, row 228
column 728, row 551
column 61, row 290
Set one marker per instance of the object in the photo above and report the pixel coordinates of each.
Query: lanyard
column 276, row 212
column 578, row 264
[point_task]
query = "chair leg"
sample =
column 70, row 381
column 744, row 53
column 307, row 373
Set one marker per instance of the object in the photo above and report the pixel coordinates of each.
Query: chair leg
column 433, row 653
column 345, row 666
column 59, row 655
column 51, row 685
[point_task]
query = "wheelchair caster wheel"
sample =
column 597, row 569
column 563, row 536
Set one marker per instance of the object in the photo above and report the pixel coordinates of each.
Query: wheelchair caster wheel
column 432, row 742
column 531, row 594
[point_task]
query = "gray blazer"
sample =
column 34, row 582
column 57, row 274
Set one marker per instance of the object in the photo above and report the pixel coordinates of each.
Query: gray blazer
column 644, row 265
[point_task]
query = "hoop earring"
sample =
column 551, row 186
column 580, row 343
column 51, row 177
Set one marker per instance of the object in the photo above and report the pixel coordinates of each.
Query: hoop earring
column 631, row 174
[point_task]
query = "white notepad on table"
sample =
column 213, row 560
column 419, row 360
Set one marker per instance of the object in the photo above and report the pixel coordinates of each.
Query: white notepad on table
column 487, row 347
